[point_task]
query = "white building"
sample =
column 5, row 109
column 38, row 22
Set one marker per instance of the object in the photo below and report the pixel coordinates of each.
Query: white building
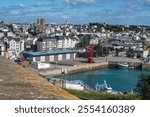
column 50, row 56
column 39, row 65
column 2, row 49
column 13, row 44
column 16, row 44
column 67, row 42
column 74, row 86
column 145, row 54
column 10, row 34
column 1, row 34
column 147, row 41
column 46, row 43
column 56, row 42
column 89, row 39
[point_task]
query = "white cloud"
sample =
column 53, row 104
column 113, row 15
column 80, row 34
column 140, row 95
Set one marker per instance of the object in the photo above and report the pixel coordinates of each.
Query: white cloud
column 65, row 17
column 76, row 2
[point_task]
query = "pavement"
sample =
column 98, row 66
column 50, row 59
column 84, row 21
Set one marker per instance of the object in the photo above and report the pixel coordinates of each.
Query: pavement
column 80, row 61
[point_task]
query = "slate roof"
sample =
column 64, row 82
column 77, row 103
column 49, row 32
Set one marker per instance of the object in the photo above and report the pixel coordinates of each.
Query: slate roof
column 50, row 52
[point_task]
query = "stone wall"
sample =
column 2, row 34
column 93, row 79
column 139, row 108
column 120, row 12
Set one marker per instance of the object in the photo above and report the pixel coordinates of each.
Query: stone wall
column 74, row 69
column 131, row 64
column 146, row 66
column 53, row 72
column 80, row 68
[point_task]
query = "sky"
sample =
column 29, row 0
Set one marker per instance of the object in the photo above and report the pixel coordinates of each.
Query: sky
column 126, row 12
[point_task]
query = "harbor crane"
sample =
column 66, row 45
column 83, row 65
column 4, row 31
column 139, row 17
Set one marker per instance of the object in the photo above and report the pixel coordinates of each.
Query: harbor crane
column 90, row 58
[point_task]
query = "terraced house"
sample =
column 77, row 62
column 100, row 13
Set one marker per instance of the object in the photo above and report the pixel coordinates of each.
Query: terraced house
column 56, row 42
column 46, row 43
column 13, row 44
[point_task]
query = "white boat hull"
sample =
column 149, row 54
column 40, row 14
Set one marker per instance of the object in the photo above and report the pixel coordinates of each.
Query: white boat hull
column 103, row 87
column 123, row 65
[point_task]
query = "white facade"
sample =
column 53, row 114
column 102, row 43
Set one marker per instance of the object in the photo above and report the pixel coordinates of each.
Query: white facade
column 145, row 54
column 67, row 43
column 1, row 34
column 16, row 45
column 2, row 49
column 39, row 65
column 147, row 41
column 94, row 41
column 60, row 44
column 10, row 34
column 67, row 56
column 74, row 86
column 51, row 58
column 42, row 59
column 46, row 45
column 60, row 57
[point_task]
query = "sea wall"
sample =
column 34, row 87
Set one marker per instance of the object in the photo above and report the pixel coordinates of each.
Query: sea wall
column 131, row 64
column 87, row 67
column 74, row 69
column 52, row 72
column 146, row 66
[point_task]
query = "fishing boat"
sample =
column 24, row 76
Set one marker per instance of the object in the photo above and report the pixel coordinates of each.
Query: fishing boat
column 123, row 65
column 103, row 87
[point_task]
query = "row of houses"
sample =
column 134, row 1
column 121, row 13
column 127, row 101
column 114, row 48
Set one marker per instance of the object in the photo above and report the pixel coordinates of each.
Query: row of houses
column 62, row 42
column 44, row 43
column 59, row 42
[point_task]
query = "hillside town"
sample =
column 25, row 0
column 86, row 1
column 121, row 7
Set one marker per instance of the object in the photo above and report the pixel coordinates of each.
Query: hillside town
column 55, row 50
column 41, row 38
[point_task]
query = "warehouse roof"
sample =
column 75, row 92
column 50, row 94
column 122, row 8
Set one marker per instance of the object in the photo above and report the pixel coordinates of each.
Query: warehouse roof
column 50, row 52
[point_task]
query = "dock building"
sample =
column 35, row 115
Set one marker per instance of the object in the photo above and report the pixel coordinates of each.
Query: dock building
column 50, row 56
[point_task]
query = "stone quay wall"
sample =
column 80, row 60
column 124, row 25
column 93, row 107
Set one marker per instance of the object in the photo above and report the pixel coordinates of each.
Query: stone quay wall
column 73, row 69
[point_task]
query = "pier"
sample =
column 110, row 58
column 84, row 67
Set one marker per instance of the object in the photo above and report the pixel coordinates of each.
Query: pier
column 81, row 65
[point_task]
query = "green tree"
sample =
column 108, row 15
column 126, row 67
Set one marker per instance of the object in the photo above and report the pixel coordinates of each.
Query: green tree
column 80, row 45
column 143, row 86
column 98, row 47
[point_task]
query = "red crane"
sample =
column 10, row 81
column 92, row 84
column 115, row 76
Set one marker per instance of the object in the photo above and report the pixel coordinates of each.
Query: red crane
column 90, row 58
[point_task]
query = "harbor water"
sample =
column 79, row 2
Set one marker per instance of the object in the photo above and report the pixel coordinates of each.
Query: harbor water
column 119, row 79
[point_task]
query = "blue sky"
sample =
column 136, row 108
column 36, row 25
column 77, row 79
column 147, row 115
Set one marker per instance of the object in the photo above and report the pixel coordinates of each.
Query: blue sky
column 77, row 11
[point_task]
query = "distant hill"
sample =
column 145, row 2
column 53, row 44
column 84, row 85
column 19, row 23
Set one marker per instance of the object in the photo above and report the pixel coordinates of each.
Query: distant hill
column 17, row 82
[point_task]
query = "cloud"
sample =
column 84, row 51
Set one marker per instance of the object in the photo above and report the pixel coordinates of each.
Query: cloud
column 79, row 11
column 13, row 7
column 79, row 2
column 41, row 5
column 65, row 17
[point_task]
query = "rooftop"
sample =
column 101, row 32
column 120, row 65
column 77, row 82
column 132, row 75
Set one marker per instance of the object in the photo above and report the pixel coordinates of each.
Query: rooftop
column 50, row 52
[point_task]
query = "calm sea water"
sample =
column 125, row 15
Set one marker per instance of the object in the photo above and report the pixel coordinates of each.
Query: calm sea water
column 119, row 79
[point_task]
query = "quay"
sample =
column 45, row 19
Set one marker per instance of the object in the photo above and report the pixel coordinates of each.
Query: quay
column 73, row 69
column 146, row 66
column 81, row 65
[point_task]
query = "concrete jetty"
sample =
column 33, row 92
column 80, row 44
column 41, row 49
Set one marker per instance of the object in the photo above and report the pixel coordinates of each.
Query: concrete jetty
column 81, row 65
column 73, row 69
